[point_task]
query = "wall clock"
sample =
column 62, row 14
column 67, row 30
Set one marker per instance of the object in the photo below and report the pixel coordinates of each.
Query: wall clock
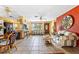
column 67, row 22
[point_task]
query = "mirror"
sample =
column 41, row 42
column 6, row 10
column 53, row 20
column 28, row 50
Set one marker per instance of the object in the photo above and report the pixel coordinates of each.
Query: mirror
column 67, row 22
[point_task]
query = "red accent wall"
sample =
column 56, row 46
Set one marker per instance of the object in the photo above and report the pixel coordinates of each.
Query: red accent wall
column 75, row 14
column 75, row 27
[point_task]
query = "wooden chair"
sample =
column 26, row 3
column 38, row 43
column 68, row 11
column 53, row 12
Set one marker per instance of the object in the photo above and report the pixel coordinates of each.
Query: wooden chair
column 11, row 39
column 4, row 46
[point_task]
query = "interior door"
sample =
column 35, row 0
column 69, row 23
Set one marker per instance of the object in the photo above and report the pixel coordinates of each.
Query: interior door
column 46, row 28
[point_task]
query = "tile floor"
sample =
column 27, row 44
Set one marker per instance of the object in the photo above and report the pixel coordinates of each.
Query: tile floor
column 34, row 45
column 71, row 50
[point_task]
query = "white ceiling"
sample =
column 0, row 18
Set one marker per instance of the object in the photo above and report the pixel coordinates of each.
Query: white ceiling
column 47, row 11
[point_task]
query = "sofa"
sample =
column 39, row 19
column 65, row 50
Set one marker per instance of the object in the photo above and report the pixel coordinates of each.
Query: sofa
column 67, row 39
